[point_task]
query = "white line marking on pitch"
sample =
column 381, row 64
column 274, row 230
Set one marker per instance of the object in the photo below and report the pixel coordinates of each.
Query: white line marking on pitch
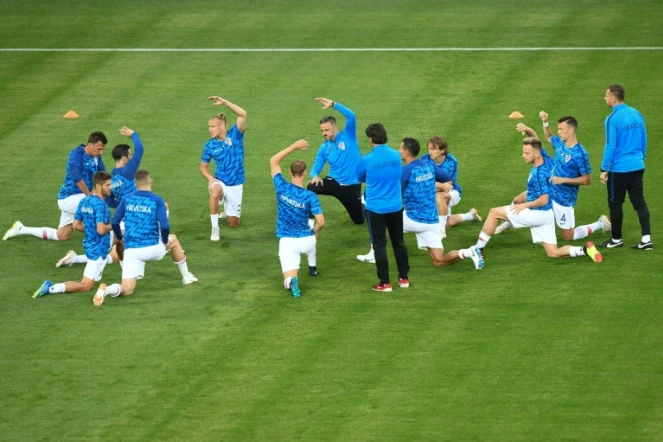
column 605, row 48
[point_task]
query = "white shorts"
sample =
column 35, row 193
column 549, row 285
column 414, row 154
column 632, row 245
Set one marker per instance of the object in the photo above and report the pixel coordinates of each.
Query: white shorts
column 135, row 259
column 94, row 269
column 455, row 198
column 232, row 198
column 540, row 222
column 429, row 236
column 291, row 249
column 68, row 207
column 565, row 216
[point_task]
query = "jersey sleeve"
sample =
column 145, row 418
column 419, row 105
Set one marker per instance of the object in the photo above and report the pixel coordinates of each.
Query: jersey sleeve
column 441, row 176
column 78, row 216
column 315, row 204
column 361, row 171
column 319, row 162
column 350, row 128
column 206, row 157
column 279, row 182
column 543, row 182
column 584, row 166
column 76, row 165
column 102, row 214
column 556, row 142
column 117, row 218
column 129, row 171
column 162, row 218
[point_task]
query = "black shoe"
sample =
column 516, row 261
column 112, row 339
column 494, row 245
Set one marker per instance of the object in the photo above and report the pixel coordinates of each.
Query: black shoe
column 313, row 271
column 643, row 246
column 611, row 244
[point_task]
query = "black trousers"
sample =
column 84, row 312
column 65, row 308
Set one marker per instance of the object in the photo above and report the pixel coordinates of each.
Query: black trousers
column 349, row 196
column 378, row 224
column 618, row 184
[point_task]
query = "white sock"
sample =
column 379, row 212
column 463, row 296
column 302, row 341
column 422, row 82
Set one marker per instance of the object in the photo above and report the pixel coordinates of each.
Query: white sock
column 464, row 253
column 41, row 232
column 286, row 282
column 184, row 269
column 646, row 238
column 466, row 216
column 215, row 220
column 57, row 288
column 168, row 214
column 506, row 225
column 80, row 259
column 589, row 228
column 483, row 240
column 312, row 258
column 114, row 290
column 576, row 251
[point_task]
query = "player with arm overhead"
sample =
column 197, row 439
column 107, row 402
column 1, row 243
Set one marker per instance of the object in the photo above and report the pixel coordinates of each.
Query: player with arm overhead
column 293, row 205
column 341, row 151
column 226, row 148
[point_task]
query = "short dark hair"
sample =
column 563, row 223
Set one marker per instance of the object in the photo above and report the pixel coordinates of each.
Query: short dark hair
column 532, row 141
column 100, row 178
column 142, row 177
column 96, row 137
column 328, row 119
column 120, row 151
column 618, row 91
column 298, row 168
column 412, row 146
column 569, row 121
column 377, row 133
column 439, row 142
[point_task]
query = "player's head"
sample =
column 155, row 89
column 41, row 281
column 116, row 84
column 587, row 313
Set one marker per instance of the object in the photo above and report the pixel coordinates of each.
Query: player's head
column 143, row 179
column 437, row 147
column 614, row 95
column 96, row 143
column 531, row 149
column 409, row 148
column 297, row 169
column 328, row 128
column 377, row 134
column 217, row 125
column 102, row 183
column 566, row 127
column 122, row 153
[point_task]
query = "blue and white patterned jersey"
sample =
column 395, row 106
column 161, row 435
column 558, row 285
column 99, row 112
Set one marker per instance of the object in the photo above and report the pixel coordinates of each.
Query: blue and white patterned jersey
column 145, row 220
column 293, row 205
column 228, row 156
column 450, row 166
column 418, row 186
column 80, row 166
column 570, row 162
column 538, row 183
column 91, row 211
column 122, row 178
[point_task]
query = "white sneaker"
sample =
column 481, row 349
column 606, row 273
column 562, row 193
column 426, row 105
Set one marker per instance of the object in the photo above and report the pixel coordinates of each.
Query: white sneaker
column 477, row 258
column 475, row 214
column 369, row 257
column 15, row 230
column 67, row 260
column 100, row 295
column 606, row 222
column 215, row 234
column 189, row 279
column 223, row 215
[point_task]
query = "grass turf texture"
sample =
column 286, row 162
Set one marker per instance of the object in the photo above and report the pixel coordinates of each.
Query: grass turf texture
column 528, row 349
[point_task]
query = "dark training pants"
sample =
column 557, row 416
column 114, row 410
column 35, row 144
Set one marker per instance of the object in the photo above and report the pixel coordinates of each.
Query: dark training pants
column 378, row 224
column 349, row 196
column 618, row 184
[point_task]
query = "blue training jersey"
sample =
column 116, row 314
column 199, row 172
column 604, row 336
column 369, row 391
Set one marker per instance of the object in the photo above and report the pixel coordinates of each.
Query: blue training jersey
column 380, row 169
column 625, row 140
column 228, row 156
column 449, row 166
column 91, row 211
column 538, row 182
column 418, row 183
column 145, row 220
column 122, row 178
column 569, row 162
column 80, row 166
column 293, row 205
column 342, row 153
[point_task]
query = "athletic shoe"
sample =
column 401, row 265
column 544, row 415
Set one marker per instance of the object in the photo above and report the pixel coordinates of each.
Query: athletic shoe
column 369, row 257
column 643, row 246
column 611, row 244
column 13, row 231
column 591, row 251
column 100, row 295
column 294, row 287
column 403, row 283
column 43, row 290
column 501, row 228
column 215, row 234
column 606, row 222
column 67, row 260
column 382, row 287
column 189, row 279
column 475, row 214
column 443, row 233
column 477, row 258
column 222, row 215
column 313, row 271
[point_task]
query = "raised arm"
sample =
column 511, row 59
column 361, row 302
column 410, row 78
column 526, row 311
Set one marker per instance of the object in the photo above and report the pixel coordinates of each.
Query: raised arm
column 277, row 158
column 241, row 113
column 350, row 118
column 132, row 166
column 547, row 132
column 526, row 130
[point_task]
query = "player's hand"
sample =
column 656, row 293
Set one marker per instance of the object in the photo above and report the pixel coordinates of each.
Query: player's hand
column 520, row 127
column 604, row 178
column 326, row 103
column 517, row 208
column 300, row 144
column 218, row 101
column 316, row 181
column 544, row 116
column 557, row 180
column 124, row 130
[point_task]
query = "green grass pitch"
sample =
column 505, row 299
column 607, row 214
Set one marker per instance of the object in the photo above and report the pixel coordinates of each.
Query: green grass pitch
column 528, row 349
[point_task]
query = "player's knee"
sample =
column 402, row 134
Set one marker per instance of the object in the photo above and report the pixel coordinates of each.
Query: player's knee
column 172, row 239
column 567, row 234
column 126, row 291
column 233, row 222
column 63, row 235
column 88, row 285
